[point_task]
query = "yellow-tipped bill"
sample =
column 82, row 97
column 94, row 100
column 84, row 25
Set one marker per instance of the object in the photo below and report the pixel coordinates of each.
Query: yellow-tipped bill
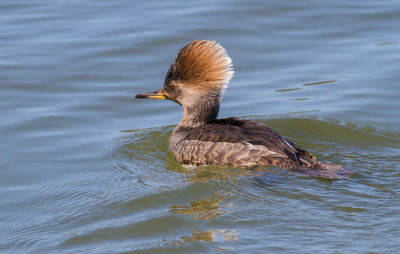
column 152, row 95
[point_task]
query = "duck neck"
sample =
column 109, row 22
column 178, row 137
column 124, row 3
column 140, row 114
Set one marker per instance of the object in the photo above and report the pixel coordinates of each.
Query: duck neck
column 199, row 112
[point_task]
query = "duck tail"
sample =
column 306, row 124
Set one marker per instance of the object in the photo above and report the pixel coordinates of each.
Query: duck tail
column 325, row 169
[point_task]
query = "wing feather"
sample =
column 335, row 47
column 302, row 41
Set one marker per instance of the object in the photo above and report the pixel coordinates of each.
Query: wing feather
column 231, row 141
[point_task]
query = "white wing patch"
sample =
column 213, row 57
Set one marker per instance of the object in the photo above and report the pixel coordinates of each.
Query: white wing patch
column 287, row 143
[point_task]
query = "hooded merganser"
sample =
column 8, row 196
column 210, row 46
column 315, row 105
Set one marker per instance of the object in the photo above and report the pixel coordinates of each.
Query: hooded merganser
column 196, row 81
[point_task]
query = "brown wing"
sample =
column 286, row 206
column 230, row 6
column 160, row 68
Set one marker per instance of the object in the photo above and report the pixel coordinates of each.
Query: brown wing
column 236, row 142
column 247, row 143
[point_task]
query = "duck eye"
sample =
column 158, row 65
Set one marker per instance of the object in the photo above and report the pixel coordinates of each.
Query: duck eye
column 171, row 86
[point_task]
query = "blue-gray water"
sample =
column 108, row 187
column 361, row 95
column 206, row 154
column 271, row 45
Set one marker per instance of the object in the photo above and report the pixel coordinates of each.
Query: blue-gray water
column 85, row 168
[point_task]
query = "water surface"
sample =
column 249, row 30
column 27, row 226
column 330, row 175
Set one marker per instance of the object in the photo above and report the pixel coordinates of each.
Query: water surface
column 86, row 169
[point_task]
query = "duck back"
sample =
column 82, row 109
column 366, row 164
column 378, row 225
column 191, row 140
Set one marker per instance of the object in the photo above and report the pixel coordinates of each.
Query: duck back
column 246, row 143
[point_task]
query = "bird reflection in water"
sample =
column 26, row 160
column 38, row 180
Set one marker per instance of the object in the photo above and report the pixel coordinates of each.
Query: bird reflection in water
column 211, row 235
column 203, row 209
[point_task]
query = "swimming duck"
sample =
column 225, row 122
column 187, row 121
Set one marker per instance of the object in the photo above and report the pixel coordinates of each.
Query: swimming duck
column 196, row 80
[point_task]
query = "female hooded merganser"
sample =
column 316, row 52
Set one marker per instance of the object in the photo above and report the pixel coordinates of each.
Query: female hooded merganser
column 196, row 81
